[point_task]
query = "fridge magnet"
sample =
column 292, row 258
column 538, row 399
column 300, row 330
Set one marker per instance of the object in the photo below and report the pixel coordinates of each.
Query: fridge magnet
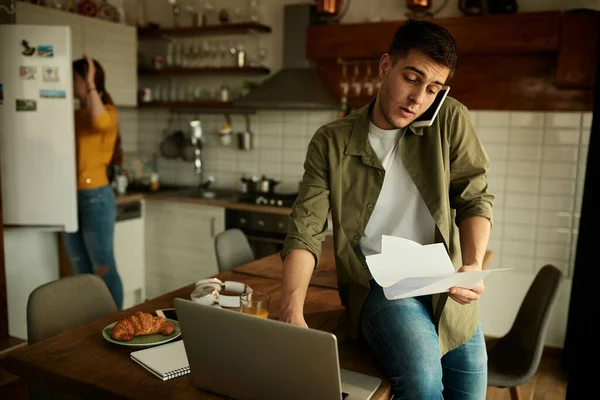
column 27, row 49
column 26, row 105
column 27, row 73
column 45, row 51
column 53, row 94
column 1, row 94
column 50, row 74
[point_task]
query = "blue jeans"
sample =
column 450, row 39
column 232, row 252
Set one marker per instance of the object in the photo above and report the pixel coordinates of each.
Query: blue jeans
column 403, row 337
column 91, row 248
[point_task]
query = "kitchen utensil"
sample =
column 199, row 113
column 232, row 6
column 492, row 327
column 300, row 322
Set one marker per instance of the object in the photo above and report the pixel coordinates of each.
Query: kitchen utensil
column 267, row 185
column 249, row 185
column 246, row 138
column 171, row 145
column 188, row 151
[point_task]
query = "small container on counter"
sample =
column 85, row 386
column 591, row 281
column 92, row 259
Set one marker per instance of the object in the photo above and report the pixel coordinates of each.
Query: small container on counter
column 154, row 182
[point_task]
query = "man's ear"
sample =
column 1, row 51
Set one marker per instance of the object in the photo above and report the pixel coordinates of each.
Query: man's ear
column 385, row 64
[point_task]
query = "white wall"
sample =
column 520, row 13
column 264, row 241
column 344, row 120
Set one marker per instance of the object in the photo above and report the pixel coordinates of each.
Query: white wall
column 537, row 163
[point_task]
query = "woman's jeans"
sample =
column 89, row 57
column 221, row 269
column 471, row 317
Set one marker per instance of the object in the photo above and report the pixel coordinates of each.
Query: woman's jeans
column 91, row 247
column 403, row 337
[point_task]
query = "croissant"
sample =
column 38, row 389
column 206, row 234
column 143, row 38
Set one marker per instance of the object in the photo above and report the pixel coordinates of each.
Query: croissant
column 140, row 324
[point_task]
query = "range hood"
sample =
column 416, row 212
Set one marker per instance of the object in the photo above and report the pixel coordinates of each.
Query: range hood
column 297, row 85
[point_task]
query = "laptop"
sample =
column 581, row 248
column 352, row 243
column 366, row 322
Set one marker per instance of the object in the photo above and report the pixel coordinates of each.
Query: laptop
column 244, row 357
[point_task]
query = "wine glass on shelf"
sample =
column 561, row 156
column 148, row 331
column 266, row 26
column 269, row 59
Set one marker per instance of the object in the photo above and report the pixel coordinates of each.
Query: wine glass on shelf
column 356, row 83
column 253, row 7
column 262, row 56
column 368, row 83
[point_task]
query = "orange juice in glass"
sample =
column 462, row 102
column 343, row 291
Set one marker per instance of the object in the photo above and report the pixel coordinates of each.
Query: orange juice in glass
column 254, row 303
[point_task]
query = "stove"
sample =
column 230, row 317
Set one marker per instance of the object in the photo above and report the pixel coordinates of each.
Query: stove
column 265, row 231
column 269, row 199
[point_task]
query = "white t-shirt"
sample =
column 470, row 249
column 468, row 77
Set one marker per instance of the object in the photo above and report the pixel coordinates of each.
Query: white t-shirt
column 400, row 210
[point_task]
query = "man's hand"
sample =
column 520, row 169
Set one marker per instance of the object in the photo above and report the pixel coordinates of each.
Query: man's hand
column 295, row 319
column 467, row 296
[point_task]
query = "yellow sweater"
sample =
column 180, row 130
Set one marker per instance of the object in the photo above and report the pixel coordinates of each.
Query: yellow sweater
column 95, row 141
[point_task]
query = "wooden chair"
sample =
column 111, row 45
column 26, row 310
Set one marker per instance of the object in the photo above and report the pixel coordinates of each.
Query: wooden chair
column 232, row 249
column 514, row 358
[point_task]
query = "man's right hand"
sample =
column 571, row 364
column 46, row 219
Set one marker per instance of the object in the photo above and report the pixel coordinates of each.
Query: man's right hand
column 297, row 320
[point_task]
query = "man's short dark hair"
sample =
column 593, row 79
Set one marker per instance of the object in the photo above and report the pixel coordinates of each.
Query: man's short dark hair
column 430, row 39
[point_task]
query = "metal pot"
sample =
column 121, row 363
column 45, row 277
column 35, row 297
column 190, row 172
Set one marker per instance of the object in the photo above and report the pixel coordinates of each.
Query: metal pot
column 249, row 185
column 267, row 185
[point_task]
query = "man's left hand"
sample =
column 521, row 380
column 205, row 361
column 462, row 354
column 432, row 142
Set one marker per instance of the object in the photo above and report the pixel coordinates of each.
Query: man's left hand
column 467, row 296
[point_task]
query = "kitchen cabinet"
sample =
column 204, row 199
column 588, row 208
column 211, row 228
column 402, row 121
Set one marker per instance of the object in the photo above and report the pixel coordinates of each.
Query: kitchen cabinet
column 113, row 45
column 129, row 252
column 179, row 244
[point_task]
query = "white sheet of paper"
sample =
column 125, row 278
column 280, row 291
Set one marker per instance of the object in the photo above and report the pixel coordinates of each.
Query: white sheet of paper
column 405, row 268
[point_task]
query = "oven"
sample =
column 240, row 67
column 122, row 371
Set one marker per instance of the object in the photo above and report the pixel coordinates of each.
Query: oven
column 266, row 231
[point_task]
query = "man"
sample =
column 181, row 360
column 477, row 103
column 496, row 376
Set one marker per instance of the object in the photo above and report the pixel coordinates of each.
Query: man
column 379, row 175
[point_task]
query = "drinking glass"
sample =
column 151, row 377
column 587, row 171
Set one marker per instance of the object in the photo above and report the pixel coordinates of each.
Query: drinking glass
column 255, row 303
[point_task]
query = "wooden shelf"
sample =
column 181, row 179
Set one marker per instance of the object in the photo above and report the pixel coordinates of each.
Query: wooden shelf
column 225, row 29
column 491, row 34
column 204, row 70
column 542, row 61
column 206, row 106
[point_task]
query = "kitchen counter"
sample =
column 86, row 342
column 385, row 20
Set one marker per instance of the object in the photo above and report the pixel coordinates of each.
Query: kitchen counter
column 223, row 198
column 128, row 198
column 226, row 203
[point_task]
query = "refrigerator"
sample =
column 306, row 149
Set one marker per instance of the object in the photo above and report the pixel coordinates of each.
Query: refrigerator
column 37, row 130
column 37, row 157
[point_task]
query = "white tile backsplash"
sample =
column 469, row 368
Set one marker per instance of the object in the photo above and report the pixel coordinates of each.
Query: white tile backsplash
column 564, row 119
column 587, row 121
column 519, row 152
column 493, row 135
column 526, row 136
column 524, row 168
column 522, row 119
column 493, row 119
column 537, row 169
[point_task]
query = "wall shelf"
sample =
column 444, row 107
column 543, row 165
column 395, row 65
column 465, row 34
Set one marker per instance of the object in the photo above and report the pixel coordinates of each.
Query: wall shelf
column 542, row 61
column 225, row 29
column 205, row 106
column 204, row 71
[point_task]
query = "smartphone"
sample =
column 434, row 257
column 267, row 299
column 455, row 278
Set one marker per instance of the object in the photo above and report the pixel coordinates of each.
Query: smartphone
column 429, row 116
column 168, row 313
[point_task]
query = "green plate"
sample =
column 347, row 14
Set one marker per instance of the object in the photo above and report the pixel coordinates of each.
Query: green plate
column 143, row 341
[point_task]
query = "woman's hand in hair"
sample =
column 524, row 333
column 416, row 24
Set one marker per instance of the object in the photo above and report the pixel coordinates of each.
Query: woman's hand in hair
column 94, row 98
column 91, row 72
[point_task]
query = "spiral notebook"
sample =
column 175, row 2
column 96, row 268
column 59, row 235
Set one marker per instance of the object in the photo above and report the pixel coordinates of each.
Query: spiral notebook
column 165, row 362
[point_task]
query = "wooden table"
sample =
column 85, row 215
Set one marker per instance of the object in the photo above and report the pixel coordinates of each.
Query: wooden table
column 81, row 362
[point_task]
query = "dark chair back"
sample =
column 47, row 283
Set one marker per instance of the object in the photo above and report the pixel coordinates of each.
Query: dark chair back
column 515, row 357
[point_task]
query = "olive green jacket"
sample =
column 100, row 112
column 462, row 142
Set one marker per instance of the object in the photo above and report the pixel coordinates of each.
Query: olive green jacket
column 343, row 174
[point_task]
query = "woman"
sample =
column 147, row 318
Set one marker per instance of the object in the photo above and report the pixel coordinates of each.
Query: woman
column 96, row 134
